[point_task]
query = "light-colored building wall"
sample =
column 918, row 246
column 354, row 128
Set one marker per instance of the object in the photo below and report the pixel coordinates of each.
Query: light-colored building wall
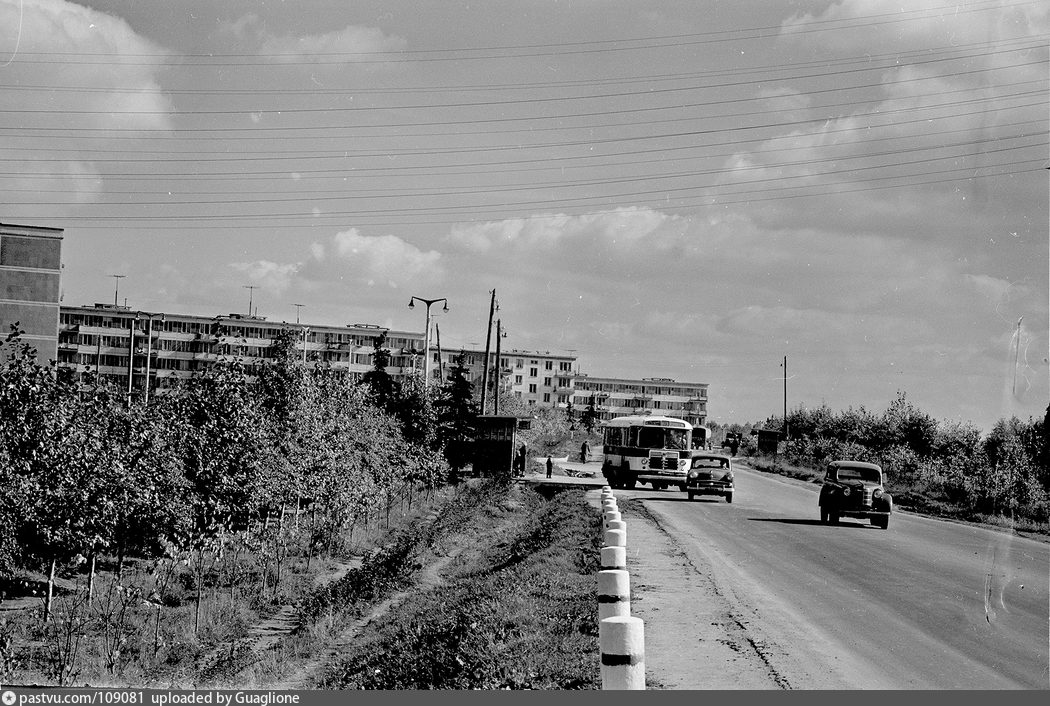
column 31, row 285
column 618, row 397
column 125, row 346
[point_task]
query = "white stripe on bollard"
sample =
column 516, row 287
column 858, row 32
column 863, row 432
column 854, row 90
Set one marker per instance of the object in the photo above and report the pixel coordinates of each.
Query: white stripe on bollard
column 622, row 641
column 616, row 538
column 614, row 593
column 614, row 557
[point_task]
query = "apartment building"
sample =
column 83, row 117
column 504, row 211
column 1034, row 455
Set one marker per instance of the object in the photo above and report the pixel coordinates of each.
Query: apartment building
column 540, row 378
column 146, row 352
column 131, row 347
column 618, row 397
column 31, row 285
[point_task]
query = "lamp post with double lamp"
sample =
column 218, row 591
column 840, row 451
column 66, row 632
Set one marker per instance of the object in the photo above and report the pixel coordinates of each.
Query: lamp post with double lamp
column 426, row 334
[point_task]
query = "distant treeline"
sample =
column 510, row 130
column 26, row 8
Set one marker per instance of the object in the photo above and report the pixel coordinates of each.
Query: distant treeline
column 1006, row 472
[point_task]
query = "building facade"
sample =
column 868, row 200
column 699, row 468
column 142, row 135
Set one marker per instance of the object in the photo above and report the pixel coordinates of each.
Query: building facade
column 31, row 285
column 540, row 378
column 147, row 352
column 619, row 397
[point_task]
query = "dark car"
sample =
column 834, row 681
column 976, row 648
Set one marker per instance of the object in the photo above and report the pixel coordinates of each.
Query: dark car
column 710, row 474
column 854, row 489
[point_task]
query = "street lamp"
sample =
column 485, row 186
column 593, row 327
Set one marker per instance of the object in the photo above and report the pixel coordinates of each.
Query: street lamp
column 426, row 334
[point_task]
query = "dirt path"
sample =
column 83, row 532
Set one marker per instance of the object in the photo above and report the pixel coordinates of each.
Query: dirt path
column 304, row 676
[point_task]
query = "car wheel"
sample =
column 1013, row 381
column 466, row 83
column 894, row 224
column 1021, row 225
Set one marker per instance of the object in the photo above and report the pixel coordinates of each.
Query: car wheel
column 691, row 496
column 884, row 522
column 729, row 497
column 833, row 518
column 824, row 516
column 629, row 484
column 681, row 486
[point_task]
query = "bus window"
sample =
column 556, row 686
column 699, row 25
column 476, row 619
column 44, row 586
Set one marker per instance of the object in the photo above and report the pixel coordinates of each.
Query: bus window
column 650, row 438
column 677, row 439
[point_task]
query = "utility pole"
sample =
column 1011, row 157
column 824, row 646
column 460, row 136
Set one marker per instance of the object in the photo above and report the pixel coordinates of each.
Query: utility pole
column 495, row 394
column 116, row 287
column 441, row 358
column 1017, row 350
column 488, row 343
column 785, row 398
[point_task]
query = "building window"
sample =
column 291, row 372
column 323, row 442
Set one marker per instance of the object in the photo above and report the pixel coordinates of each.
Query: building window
column 533, row 372
column 517, row 379
column 532, row 388
column 546, row 397
column 550, row 365
column 546, row 382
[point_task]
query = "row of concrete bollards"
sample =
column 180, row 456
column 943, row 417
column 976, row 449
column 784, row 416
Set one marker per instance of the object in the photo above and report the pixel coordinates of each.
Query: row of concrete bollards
column 620, row 636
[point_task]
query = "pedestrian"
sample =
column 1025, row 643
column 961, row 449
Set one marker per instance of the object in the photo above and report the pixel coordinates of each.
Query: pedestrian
column 520, row 460
column 550, row 466
column 584, row 450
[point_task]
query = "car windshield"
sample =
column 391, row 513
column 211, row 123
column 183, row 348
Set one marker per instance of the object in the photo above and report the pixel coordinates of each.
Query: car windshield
column 710, row 463
column 865, row 474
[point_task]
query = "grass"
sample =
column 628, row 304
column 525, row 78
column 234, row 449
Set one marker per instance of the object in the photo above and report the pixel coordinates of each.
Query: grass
column 517, row 609
column 492, row 586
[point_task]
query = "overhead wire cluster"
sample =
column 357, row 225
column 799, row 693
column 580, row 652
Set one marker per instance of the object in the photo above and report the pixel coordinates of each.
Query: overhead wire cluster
column 383, row 150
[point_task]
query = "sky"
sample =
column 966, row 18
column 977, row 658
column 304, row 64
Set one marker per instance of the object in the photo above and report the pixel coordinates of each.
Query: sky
column 699, row 189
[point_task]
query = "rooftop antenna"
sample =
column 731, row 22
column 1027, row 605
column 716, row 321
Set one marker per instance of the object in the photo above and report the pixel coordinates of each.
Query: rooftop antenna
column 251, row 290
column 116, row 287
column 297, row 308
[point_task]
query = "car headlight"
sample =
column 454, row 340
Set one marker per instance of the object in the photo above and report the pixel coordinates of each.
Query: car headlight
column 845, row 491
column 877, row 493
column 728, row 477
column 693, row 474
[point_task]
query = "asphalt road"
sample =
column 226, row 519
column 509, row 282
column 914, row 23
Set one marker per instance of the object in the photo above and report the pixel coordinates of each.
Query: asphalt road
column 926, row 604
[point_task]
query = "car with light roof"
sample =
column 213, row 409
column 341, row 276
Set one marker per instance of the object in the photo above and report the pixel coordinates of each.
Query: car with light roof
column 710, row 474
column 854, row 489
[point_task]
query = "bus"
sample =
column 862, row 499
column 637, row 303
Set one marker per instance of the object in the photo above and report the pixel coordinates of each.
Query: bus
column 646, row 448
column 701, row 437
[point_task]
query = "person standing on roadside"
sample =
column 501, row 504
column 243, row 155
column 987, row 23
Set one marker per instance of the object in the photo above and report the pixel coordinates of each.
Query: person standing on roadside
column 550, row 466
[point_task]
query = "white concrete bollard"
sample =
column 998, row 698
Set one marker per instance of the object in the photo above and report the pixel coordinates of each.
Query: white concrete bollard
column 617, row 525
column 615, row 538
column 614, row 593
column 614, row 557
column 611, row 516
column 622, row 640
column 609, row 502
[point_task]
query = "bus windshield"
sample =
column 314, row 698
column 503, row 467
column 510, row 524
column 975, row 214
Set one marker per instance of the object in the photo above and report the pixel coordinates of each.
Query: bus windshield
column 662, row 438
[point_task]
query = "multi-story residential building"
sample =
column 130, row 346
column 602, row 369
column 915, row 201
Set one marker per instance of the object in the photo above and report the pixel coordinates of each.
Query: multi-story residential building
column 31, row 285
column 126, row 346
column 540, row 378
column 129, row 347
column 618, row 397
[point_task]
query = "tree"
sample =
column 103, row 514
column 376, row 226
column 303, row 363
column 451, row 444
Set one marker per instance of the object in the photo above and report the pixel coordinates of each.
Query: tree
column 456, row 412
column 589, row 418
column 385, row 390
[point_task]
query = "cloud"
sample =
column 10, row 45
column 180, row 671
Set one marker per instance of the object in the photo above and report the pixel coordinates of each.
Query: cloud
column 268, row 275
column 618, row 228
column 384, row 260
column 125, row 94
column 350, row 44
